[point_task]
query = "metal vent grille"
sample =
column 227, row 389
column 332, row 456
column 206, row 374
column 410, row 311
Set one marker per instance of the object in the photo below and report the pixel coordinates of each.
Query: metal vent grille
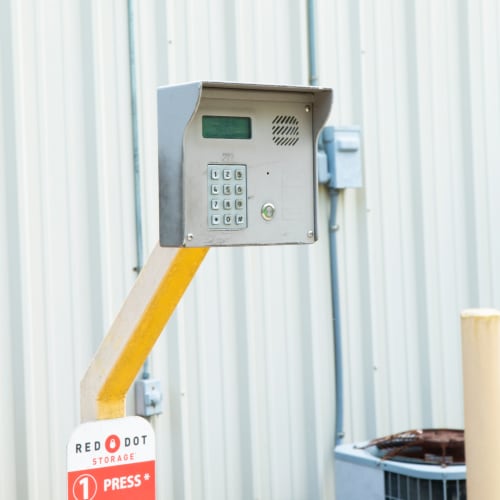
column 285, row 130
column 402, row 487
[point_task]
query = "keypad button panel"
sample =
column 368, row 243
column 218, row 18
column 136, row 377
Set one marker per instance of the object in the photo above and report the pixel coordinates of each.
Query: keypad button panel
column 227, row 196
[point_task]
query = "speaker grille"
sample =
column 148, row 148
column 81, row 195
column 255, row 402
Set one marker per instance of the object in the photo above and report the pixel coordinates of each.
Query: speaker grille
column 285, row 130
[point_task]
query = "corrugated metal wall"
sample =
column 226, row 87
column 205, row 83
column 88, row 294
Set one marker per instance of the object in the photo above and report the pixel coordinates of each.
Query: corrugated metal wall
column 246, row 362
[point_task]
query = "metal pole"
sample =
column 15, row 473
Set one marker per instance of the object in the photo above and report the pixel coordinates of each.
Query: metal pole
column 481, row 376
column 149, row 305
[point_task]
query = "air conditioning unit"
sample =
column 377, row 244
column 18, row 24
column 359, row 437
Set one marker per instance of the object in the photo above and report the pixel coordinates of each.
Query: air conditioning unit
column 362, row 474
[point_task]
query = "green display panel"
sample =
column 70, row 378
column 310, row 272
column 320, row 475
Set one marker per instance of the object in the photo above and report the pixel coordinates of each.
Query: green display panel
column 226, row 127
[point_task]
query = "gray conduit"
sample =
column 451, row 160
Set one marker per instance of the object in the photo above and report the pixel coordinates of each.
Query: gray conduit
column 136, row 157
column 327, row 140
column 311, row 41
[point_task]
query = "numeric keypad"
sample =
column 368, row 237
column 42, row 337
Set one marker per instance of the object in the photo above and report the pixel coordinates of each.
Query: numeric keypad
column 227, row 196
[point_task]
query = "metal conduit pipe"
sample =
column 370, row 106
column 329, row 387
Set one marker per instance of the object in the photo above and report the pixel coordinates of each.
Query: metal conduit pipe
column 327, row 143
column 311, row 41
column 139, row 244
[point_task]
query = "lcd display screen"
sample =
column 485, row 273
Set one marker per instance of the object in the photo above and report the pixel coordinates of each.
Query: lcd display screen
column 226, row 127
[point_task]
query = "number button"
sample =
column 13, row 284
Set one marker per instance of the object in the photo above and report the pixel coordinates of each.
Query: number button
column 215, row 174
column 227, row 204
column 215, row 189
column 238, row 189
column 228, row 174
column 215, row 204
column 227, row 189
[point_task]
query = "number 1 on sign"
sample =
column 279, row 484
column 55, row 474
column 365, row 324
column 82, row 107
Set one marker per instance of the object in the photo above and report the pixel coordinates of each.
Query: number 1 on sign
column 84, row 482
column 84, row 487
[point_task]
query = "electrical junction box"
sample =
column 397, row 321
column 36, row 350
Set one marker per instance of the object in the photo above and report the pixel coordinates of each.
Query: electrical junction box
column 148, row 397
column 237, row 163
column 342, row 146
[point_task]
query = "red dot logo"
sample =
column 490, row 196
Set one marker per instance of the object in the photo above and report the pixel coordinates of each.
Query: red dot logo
column 112, row 443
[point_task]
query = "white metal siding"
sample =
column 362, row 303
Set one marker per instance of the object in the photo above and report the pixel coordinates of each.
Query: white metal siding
column 247, row 360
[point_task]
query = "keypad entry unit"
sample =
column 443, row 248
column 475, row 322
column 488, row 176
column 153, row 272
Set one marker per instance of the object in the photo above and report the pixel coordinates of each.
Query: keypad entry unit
column 227, row 196
column 237, row 163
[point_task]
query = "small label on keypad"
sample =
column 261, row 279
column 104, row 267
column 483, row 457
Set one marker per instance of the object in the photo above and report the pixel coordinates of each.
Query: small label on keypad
column 227, row 196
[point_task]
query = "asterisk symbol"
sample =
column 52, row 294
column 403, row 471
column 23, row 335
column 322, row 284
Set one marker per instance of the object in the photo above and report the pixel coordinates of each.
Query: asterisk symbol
column 146, row 476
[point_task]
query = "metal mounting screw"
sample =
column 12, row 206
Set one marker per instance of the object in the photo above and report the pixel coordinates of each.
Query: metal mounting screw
column 190, row 236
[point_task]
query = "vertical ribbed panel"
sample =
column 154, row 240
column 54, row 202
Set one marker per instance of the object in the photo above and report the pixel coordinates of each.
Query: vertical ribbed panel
column 246, row 362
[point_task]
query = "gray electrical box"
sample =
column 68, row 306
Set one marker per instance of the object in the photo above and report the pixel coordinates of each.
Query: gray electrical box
column 237, row 163
column 347, row 172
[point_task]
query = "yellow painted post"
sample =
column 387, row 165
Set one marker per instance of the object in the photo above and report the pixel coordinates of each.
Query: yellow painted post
column 149, row 305
column 481, row 374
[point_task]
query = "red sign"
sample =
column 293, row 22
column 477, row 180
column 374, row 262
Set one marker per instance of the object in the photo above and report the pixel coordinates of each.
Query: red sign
column 112, row 460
